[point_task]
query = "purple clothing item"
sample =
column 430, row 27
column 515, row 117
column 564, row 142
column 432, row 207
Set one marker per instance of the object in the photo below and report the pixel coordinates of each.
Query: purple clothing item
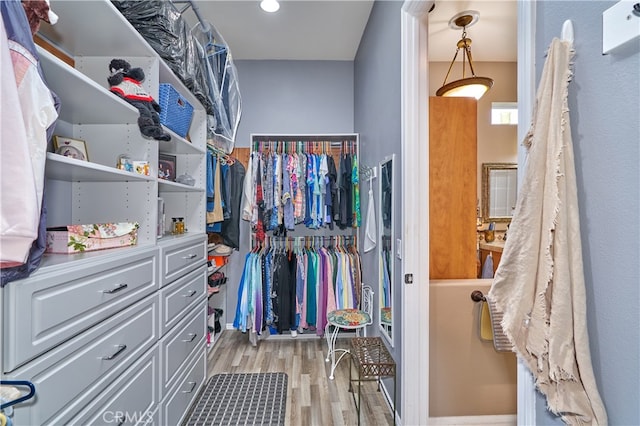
column 287, row 194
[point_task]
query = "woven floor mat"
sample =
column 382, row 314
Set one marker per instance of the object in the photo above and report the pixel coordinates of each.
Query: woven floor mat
column 241, row 399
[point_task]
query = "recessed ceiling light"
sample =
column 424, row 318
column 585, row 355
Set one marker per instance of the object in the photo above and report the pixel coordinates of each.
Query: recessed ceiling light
column 270, row 5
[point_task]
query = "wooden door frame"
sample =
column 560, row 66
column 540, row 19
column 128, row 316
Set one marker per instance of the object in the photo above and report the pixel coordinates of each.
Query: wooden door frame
column 415, row 180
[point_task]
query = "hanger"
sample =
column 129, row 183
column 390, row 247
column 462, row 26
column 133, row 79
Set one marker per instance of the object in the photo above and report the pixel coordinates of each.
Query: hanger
column 29, row 395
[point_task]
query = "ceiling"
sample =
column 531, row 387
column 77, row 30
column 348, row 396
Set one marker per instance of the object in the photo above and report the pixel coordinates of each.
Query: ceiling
column 332, row 29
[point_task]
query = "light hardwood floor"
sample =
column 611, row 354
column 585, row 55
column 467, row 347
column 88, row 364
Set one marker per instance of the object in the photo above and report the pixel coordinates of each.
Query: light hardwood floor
column 312, row 398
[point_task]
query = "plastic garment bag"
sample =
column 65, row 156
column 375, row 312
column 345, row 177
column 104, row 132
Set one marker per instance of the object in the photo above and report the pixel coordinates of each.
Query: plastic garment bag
column 370, row 232
column 223, row 87
column 199, row 57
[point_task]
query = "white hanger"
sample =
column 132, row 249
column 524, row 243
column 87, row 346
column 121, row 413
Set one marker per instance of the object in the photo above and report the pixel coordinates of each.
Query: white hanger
column 567, row 31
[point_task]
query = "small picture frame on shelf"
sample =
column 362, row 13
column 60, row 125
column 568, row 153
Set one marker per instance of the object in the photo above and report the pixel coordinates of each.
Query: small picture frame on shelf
column 167, row 167
column 69, row 147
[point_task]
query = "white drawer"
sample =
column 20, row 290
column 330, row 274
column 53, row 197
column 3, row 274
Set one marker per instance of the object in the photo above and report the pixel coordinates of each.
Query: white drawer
column 71, row 375
column 186, row 337
column 47, row 309
column 175, row 405
column 179, row 297
column 182, row 255
column 132, row 399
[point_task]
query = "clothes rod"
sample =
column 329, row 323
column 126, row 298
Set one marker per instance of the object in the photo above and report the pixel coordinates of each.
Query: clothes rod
column 305, row 138
column 196, row 10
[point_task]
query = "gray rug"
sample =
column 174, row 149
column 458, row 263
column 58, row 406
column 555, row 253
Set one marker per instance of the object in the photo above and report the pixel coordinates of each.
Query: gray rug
column 241, row 399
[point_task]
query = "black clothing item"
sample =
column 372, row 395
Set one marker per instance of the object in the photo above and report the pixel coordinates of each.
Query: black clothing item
column 231, row 227
column 385, row 200
column 346, row 187
column 226, row 191
column 286, row 277
column 331, row 199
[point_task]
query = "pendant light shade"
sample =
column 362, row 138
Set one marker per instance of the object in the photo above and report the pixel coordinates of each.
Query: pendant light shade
column 472, row 86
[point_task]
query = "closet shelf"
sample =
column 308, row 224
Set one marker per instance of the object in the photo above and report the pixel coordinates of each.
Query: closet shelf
column 178, row 145
column 167, row 238
column 69, row 169
column 52, row 262
column 214, row 293
column 83, row 101
column 214, row 270
column 213, row 246
column 168, row 186
column 82, row 36
column 85, row 37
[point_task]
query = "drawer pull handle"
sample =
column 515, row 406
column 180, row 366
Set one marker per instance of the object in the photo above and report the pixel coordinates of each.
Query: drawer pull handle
column 193, row 386
column 116, row 353
column 190, row 256
column 191, row 293
column 117, row 289
column 193, row 336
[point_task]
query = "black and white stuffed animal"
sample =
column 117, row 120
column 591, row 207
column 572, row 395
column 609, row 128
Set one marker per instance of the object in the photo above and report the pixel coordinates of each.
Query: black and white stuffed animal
column 125, row 82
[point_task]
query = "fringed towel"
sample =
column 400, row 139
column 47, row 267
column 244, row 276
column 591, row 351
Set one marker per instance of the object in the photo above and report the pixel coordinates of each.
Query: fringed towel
column 539, row 285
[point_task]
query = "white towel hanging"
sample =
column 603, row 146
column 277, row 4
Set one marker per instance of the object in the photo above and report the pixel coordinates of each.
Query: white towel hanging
column 370, row 234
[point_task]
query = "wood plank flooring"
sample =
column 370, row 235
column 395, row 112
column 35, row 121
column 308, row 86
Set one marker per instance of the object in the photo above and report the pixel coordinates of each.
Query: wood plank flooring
column 312, row 398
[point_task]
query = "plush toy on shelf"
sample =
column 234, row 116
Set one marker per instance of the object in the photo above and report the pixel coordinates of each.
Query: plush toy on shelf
column 126, row 82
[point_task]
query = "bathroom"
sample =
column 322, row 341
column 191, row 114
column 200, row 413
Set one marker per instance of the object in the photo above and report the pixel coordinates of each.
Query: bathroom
column 472, row 379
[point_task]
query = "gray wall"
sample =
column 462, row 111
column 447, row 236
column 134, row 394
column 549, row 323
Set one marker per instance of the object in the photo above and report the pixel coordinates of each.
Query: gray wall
column 605, row 114
column 295, row 97
column 288, row 97
column 378, row 121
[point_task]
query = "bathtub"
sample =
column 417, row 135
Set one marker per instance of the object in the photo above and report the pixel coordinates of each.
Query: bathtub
column 469, row 382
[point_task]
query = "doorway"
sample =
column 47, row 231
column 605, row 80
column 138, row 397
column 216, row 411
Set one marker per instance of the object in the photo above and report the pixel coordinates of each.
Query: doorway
column 415, row 270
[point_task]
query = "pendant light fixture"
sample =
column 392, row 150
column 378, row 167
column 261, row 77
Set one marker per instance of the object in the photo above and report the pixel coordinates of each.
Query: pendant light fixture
column 467, row 86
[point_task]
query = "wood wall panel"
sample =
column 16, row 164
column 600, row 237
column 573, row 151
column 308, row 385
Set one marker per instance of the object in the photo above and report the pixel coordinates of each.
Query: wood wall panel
column 242, row 155
column 452, row 187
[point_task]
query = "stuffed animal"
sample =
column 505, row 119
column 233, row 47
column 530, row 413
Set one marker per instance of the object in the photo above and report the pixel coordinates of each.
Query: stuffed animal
column 37, row 10
column 125, row 82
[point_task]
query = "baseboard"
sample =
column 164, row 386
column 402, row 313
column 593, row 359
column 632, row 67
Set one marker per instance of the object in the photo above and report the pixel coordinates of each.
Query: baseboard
column 307, row 335
column 506, row 420
column 387, row 398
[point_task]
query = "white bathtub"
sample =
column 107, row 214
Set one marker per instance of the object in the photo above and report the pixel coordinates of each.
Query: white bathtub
column 469, row 382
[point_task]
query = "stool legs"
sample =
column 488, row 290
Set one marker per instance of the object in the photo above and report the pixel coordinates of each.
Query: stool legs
column 331, row 354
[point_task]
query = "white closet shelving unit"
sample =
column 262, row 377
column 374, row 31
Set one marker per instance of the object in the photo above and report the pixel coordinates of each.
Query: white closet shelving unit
column 217, row 300
column 120, row 330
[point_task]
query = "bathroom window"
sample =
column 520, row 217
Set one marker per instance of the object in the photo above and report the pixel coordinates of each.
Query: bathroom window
column 504, row 113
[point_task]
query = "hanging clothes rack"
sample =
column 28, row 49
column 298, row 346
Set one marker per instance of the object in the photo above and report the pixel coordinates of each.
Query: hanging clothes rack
column 309, row 241
column 196, row 11
column 341, row 151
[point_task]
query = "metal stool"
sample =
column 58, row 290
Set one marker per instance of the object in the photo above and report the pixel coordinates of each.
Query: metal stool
column 372, row 361
column 347, row 319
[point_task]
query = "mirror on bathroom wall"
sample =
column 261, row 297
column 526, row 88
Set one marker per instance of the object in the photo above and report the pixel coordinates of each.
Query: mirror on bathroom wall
column 385, row 246
column 499, row 186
